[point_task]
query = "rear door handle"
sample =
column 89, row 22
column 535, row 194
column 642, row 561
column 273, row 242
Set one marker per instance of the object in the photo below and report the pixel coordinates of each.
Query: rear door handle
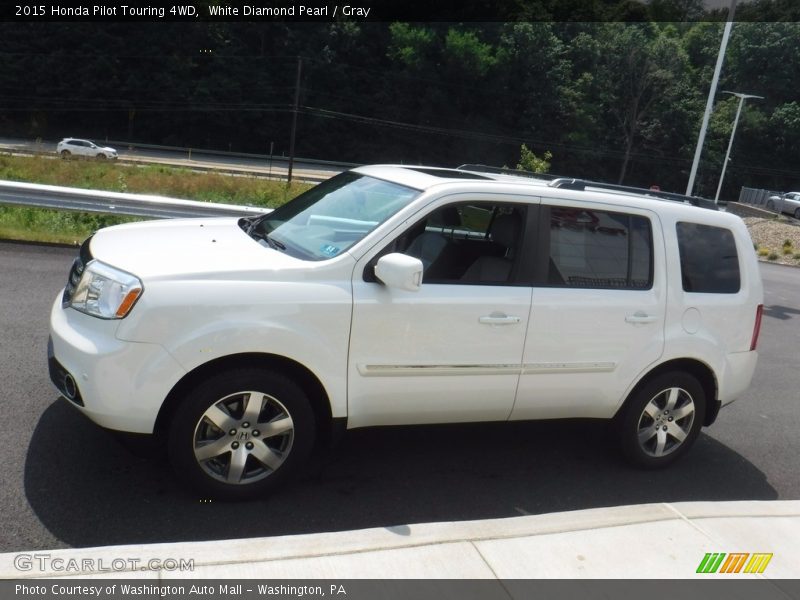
column 499, row 320
column 640, row 317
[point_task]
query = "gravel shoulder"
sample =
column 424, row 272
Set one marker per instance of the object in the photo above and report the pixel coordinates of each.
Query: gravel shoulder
column 770, row 236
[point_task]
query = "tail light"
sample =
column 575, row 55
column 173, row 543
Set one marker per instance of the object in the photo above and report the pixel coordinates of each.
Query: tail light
column 757, row 327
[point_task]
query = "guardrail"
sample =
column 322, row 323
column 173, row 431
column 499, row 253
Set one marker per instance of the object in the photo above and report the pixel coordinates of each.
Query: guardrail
column 205, row 152
column 138, row 205
column 757, row 197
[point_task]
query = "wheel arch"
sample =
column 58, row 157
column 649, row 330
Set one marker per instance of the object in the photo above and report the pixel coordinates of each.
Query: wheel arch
column 312, row 386
column 698, row 369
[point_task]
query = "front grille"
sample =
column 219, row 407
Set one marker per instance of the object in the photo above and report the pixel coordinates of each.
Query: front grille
column 75, row 272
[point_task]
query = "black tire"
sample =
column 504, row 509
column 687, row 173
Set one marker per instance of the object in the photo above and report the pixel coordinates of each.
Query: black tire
column 770, row 205
column 234, row 469
column 65, row 154
column 797, row 213
column 649, row 432
column 101, row 156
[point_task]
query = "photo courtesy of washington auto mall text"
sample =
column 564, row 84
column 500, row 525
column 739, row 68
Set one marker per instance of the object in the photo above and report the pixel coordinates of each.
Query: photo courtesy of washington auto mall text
column 109, row 589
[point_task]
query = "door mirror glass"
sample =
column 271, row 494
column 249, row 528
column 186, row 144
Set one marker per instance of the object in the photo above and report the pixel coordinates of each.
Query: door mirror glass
column 400, row 271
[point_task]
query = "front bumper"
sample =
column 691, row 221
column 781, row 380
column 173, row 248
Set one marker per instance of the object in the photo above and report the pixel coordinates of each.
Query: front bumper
column 119, row 385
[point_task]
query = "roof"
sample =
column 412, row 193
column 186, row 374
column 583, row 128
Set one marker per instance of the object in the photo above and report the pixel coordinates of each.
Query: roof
column 424, row 178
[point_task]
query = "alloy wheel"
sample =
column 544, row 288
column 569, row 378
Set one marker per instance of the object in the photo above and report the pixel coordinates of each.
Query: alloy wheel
column 666, row 422
column 243, row 437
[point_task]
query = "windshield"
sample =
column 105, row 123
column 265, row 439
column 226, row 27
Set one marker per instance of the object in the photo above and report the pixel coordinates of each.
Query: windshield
column 329, row 218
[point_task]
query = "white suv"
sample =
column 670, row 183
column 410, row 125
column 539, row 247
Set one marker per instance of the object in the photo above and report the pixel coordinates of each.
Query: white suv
column 393, row 295
column 74, row 147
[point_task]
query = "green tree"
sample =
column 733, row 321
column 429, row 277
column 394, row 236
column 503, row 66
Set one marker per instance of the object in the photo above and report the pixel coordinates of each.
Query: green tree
column 528, row 161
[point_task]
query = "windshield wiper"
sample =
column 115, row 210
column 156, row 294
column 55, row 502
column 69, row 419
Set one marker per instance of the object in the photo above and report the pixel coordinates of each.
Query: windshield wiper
column 273, row 243
column 248, row 224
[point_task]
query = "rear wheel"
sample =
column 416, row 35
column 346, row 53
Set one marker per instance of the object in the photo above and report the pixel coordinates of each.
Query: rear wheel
column 241, row 433
column 797, row 213
column 662, row 420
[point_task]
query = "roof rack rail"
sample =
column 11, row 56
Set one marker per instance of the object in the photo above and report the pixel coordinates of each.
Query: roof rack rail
column 505, row 171
column 661, row 195
column 568, row 183
column 572, row 183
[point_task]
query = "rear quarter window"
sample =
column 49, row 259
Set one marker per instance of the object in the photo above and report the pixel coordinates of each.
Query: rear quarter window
column 709, row 260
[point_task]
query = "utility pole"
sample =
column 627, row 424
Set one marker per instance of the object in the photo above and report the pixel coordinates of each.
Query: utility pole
column 294, row 117
column 271, row 146
column 742, row 98
column 711, row 93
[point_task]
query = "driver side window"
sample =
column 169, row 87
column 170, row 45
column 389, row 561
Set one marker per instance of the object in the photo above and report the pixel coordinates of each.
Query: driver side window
column 466, row 243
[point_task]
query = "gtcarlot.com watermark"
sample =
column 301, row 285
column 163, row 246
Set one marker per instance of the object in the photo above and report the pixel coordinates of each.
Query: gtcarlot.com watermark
column 46, row 562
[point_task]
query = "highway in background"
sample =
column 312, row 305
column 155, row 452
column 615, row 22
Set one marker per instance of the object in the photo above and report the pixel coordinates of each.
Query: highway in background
column 67, row 483
column 277, row 166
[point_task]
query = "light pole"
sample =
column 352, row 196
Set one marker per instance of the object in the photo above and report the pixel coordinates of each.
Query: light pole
column 710, row 100
column 742, row 98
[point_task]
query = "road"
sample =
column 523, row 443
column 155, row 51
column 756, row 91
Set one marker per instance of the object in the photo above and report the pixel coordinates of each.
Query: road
column 196, row 159
column 66, row 483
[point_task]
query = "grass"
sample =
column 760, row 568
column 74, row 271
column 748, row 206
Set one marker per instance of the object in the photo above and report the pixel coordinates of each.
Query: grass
column 43, row 225
column 32, row 224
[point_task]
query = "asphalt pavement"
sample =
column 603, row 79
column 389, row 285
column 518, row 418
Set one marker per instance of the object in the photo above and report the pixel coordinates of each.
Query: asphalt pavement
column 67, row 483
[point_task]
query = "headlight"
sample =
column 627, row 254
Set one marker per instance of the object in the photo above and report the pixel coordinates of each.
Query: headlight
column 106, row 292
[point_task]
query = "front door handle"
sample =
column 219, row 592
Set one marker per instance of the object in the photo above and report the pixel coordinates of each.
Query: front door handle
column 640, row 317
column 494, row 319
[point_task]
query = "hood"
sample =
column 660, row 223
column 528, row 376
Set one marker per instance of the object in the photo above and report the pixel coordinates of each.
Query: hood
column 186, row 249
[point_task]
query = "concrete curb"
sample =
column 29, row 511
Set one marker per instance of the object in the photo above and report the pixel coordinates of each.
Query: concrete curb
column 642, row 541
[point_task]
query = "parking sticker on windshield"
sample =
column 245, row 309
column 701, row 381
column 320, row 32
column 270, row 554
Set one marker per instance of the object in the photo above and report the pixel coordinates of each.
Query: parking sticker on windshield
column 329, row 250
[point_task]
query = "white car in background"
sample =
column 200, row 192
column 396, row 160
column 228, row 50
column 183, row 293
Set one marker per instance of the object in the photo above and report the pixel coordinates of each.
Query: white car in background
column 69, row 147
column 788, row 203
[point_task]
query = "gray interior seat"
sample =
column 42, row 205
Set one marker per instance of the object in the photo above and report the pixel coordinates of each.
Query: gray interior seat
column 505, row 232
column 428, row 245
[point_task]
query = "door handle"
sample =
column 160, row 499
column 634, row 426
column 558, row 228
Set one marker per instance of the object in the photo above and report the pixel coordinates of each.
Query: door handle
column 499, row 320
column 640, row 317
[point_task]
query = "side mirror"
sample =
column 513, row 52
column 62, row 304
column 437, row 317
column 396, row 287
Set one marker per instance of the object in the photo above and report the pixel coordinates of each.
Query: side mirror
column 400, row 271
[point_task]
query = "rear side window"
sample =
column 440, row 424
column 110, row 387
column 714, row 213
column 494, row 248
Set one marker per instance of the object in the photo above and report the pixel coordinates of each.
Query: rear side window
column 599, row 249
column 709, row 262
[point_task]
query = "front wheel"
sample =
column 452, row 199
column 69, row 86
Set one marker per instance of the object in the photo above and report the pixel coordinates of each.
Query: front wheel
column 797, row 213
column 101, row 156
column 241, row 433
column 662, row 420
column 65, row 154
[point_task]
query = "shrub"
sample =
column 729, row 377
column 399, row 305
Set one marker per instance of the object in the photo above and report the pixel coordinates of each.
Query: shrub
column 772, row 256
